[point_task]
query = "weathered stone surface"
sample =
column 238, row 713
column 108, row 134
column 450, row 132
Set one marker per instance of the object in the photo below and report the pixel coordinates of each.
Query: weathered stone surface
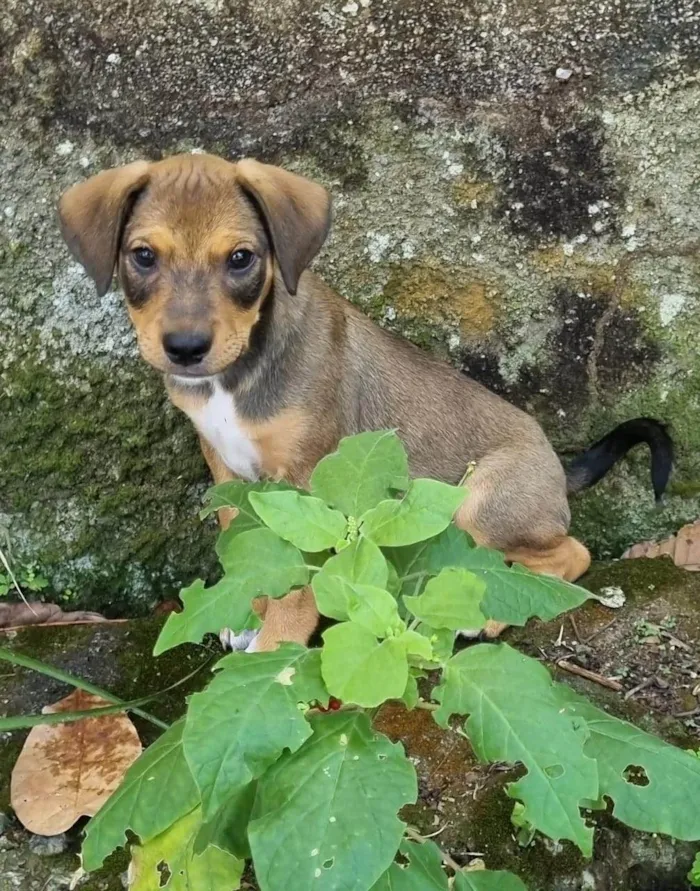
column 539, row 232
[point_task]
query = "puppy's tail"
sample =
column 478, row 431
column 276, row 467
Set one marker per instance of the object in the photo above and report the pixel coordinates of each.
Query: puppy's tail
column 592, row 465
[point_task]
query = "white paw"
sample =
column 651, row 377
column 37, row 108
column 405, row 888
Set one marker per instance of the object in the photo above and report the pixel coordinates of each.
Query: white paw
column 244, row 641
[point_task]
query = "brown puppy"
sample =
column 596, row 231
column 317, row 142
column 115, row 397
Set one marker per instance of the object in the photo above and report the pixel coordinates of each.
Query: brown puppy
column 273, row 367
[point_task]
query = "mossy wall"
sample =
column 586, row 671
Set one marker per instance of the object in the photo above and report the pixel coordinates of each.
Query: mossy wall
column 515, row 187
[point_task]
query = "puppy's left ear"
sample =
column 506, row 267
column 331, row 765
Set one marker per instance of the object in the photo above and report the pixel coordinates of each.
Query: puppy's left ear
column 297, row 213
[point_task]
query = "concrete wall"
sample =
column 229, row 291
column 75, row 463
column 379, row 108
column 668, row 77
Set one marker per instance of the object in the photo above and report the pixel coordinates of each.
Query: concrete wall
column 515, row 187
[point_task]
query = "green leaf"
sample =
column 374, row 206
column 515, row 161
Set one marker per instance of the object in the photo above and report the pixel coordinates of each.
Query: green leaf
column 246, row 717
column 362, row 472
column 256, row 562
column 213, row 870
column 360, row 563
column 359, row 669
column 663, row 797
column 450, row 600
column 423, row 872
column 411, row 695
column 425, row 510
column 374, row 609
column 516, row 715
column 305, row 521
column 416, row 563
column 234, row 493
column 441, row 639
column 228, row 828
column 156, row 791
column 488, row 880
column 416, row 644
column 325, row 817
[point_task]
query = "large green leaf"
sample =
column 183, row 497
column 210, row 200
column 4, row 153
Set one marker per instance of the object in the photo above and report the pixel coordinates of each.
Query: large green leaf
column 488, row 880
column 513, row 594
column 375, row 609
column 451, row 600
column 425, row 510
column 664, row 796
column 358, row 668
column 516, row 715
column 422, row 872
column 156, row 791
column 247, row 716
column 256, row 562
column 362, row 472
column 305, row 521
column 325, row 817
column 212, row 870
column 234, row 493
column 362, row 563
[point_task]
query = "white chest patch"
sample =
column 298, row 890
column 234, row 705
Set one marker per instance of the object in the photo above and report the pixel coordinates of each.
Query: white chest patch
column 218, row 423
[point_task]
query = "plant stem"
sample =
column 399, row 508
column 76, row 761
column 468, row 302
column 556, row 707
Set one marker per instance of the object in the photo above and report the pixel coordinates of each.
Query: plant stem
column 446, row 859
column 66, row 678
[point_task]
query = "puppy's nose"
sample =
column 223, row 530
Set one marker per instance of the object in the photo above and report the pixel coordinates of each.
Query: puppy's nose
column 186, row 347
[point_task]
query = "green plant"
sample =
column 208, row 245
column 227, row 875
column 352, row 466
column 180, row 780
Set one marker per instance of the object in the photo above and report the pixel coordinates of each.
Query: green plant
column 694, row 874
column 28, row 578
column 264, row 766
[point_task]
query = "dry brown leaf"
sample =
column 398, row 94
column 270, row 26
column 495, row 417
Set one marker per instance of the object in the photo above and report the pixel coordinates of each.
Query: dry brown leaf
column 67, row 771
column 683, row 548
column 14, row 615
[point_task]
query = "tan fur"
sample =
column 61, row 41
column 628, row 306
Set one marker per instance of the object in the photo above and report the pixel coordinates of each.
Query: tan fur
column 301, row 365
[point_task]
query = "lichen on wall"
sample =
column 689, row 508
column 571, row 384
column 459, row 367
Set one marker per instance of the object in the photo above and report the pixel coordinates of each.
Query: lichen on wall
column 514, row 186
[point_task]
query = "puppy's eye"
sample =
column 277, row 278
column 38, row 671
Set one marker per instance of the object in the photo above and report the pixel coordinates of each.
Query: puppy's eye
column 241, row 260
column 144, row 257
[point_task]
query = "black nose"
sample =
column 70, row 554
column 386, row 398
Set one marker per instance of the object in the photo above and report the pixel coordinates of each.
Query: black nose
column 186, row 347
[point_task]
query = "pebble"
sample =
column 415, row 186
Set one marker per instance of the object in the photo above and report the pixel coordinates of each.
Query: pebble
column 563, row 73
column 48, row 845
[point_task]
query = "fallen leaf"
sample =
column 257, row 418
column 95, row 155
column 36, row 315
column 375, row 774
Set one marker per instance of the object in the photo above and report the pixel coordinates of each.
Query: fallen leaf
column 15, row 615
column 683, row 548
column 67, row 771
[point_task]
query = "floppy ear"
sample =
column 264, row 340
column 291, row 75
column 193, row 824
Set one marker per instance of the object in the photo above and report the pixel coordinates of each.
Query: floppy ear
column 92, row 216
column 296, row 210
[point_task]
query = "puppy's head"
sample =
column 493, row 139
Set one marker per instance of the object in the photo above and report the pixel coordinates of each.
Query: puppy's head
column 195, row 241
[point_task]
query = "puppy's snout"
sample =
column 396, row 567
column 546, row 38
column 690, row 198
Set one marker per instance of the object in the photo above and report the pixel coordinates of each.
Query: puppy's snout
column 186, row 347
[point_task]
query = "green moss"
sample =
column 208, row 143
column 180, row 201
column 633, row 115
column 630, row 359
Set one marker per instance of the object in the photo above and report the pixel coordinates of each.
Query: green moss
column 106, row 474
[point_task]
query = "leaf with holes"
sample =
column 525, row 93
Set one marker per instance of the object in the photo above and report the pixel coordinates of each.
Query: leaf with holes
column 157, row 790
column 654, row 786
column 358, row 669
column 234, row 494
column 360, row 563
column 516, row 715
column 422, row 872
column 325, row 816
column 256, row 562
column 49, row 793
column 488, row 880
column 247, row 716
column 172, row 854
column 451, row 600
column 426, row 509
column 364, row 470
column 303, row 520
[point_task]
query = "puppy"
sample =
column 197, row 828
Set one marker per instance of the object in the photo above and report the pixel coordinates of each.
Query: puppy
column 273, row 367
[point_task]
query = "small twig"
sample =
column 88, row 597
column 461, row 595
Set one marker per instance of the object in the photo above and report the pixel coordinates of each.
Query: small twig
column 437, row 831
column 600, row 631
column 572, row 668
column 689, row 714
column 575, row 627
column 630, row 693
column 58, row 624
column 672, row 639
column 561, row 636
column 446, row 859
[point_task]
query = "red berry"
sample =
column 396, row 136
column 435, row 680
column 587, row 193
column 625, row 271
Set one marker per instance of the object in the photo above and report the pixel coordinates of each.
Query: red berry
column 334, row 704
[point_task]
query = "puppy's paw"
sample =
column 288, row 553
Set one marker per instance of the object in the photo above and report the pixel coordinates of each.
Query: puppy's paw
column 471, row 633
column 490, row 632
column 241, row 642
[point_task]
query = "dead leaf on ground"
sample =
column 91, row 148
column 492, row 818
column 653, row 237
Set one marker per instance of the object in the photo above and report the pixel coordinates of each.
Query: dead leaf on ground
column 68, row 771
column 15, row 615
column 683, row 548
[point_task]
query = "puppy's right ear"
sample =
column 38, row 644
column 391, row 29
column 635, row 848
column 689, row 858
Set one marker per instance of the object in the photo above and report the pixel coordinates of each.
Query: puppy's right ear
column 92, row 216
